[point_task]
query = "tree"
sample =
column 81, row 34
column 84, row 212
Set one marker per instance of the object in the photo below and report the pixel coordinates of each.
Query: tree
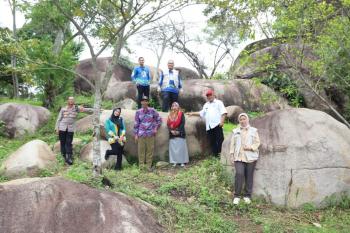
column 112, row 22
column 157, row 38
column 321, row 26
column 221, row 44
column 13, row 6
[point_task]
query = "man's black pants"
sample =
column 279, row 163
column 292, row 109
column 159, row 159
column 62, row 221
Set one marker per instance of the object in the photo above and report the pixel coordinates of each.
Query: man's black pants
column 168, row 99
column 216, row 138
column 142, row 91
column 66, row 139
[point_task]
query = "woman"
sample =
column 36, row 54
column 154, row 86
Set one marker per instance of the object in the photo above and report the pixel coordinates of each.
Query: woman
column 244, row 154
column 115, row 131
column 178, row 153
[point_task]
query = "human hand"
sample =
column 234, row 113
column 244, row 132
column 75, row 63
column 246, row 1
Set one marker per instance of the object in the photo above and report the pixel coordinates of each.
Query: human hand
column 232, row 159
column 245, row 147
column 81, row 108
column 159, row 89
column 56, row 130
column 136, row 138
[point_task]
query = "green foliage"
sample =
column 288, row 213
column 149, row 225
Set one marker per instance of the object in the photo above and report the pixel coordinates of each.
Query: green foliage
column 228, row 127
column 281, row 83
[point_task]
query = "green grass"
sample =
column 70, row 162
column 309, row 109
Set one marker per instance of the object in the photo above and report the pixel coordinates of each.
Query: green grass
column 228, row 127
column 20, row 101
column 195, row 199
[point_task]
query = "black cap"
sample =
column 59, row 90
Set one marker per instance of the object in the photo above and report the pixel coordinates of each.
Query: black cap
column 144, row 97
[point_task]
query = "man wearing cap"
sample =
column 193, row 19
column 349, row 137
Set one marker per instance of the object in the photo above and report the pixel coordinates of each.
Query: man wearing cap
column 170, row 86
column 141, row 75
column 214, row 114
column 147, row 123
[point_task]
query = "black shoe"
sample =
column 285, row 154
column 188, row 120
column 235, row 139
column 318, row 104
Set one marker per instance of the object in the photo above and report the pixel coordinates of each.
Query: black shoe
column 69, row 159
column 106, row 157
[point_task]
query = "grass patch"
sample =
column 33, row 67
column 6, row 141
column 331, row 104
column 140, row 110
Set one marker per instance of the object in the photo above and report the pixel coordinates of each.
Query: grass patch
column 35, row 102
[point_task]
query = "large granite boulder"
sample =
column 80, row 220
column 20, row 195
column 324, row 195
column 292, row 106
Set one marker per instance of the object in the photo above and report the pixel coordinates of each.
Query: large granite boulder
column 304, row 157
column 195, row 130
column 28, row 160
column 76, row 143
column 233, row 112
column 118, row 91
column 253, row 62
column 86, row 154
column 84, row 68
column 58, row 205
column 20, row 119
column 244, row 93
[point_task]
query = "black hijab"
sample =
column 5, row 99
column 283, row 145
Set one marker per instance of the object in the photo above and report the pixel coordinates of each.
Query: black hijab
column 116, row 119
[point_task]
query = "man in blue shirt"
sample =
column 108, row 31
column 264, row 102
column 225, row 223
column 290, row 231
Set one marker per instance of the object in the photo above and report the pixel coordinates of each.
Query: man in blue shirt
column 170, row 86
column 141, row 75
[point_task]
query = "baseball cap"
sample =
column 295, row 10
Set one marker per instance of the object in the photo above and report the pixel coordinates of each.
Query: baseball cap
column 209, row 92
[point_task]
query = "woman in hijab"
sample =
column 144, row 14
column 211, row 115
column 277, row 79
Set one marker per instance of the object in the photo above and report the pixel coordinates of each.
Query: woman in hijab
column 244, row 154
column 178, row 153
column 115, row 131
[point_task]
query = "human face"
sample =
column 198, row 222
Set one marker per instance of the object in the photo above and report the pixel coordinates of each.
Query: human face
column 141, row 61
column 243, row 121
column 170, row 64
column 70, row 101
column 144, row 103
column 117, row 112
column 210, row 98
column 175, row 107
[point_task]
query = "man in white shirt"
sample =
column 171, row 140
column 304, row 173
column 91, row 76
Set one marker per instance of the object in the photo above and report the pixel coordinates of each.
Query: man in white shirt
column 214, row 114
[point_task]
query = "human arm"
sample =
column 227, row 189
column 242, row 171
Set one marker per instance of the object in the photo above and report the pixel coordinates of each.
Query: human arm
column 157, row 121
column 232, row 149
column 223, row 112
column 255, row 145
column 136, row 125
column 59, row 118
column 133, row 75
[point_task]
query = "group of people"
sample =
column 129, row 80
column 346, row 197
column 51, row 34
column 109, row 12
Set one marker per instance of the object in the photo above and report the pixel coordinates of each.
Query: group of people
column 243, row 147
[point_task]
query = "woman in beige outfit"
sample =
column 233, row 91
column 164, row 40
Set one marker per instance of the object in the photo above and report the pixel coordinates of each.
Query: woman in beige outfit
column 244, row 154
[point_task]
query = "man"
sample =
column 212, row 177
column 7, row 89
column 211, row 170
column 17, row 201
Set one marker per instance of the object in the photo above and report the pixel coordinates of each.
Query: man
column 142, row 77
column 147, row 123
column 214, row 114
column 169, row 85
column 65, row 126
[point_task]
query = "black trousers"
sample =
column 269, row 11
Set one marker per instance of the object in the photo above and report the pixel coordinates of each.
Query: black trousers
column 66, row 139
column 117, row 150
column 142, row 91
column 244, row 173
column 168, row 99
column 216, row 138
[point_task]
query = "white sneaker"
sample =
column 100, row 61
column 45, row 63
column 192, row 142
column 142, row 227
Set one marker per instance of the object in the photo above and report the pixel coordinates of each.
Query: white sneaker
column 182, row 165
column 236, row 200
column 247, row 200
column 174, row 164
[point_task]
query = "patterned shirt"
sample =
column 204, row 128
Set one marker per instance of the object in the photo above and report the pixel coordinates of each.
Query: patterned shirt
column 146, row 122
column 141, row 75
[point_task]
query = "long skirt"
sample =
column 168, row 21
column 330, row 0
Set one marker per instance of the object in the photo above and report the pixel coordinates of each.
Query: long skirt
column 178, row 152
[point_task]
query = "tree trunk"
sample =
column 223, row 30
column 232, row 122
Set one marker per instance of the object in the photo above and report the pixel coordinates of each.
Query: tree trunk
column 100, row 86
column 13, row 57
column 159, row 58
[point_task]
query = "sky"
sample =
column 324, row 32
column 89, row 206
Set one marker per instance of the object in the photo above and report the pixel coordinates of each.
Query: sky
column 192, row 15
